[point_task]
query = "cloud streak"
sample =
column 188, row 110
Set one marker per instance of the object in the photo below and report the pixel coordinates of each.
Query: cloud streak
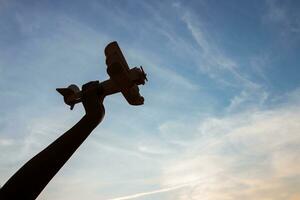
column 204, row 113
column 256, row 149
column 167, row 189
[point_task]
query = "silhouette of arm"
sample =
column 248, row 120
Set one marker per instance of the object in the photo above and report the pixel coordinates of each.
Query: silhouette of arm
column 32, row 178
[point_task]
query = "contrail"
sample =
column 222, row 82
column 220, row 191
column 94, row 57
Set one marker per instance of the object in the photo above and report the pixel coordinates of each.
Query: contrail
column 133, row 196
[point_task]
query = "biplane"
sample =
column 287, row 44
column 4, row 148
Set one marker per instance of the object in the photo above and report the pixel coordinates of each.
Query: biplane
column 121, row 79
column 42, row 167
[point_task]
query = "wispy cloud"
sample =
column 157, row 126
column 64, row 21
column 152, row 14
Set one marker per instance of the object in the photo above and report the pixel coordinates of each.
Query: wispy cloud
column 184, row 184
column 204, row 132
column 256, row 149
column 214, row 61
column 158, row 70
column 222, row 68
column 138, row 195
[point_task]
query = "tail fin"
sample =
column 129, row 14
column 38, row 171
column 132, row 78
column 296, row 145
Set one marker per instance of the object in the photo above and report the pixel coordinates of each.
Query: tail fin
column 70, row 94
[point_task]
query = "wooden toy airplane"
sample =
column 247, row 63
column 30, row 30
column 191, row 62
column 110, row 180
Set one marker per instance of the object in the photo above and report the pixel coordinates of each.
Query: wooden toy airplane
column 122, row 79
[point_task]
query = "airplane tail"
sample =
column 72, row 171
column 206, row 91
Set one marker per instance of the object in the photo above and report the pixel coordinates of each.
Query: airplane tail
column 70, row 94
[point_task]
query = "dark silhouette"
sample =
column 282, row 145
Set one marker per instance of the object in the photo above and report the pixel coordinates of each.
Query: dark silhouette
column 29, row 181
column 122, row 79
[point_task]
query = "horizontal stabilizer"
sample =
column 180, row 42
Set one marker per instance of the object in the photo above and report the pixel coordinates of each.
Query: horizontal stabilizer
column 65, row 91
column 71, row 94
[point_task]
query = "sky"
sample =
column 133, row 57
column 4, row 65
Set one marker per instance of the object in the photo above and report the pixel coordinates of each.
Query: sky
column 221, row 118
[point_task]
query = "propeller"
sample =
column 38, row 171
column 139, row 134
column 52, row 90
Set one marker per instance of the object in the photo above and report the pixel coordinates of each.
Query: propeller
column 144, row 74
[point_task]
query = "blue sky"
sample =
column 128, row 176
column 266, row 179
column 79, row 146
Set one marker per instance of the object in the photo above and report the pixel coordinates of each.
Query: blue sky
column 221, row 118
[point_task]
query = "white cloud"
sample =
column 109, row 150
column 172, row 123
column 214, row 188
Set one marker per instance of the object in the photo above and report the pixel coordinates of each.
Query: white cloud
column 249, row 153
column 259, row 63
column 253, row 154
column 249, row 97
column 213, row 61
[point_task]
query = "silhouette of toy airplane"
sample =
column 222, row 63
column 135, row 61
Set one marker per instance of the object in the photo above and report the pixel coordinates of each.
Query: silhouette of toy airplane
column 122, row 79
column 29, row 181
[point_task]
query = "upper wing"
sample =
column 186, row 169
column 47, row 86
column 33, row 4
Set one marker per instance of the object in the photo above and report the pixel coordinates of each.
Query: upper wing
column 113, row 53
column 119, row 72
